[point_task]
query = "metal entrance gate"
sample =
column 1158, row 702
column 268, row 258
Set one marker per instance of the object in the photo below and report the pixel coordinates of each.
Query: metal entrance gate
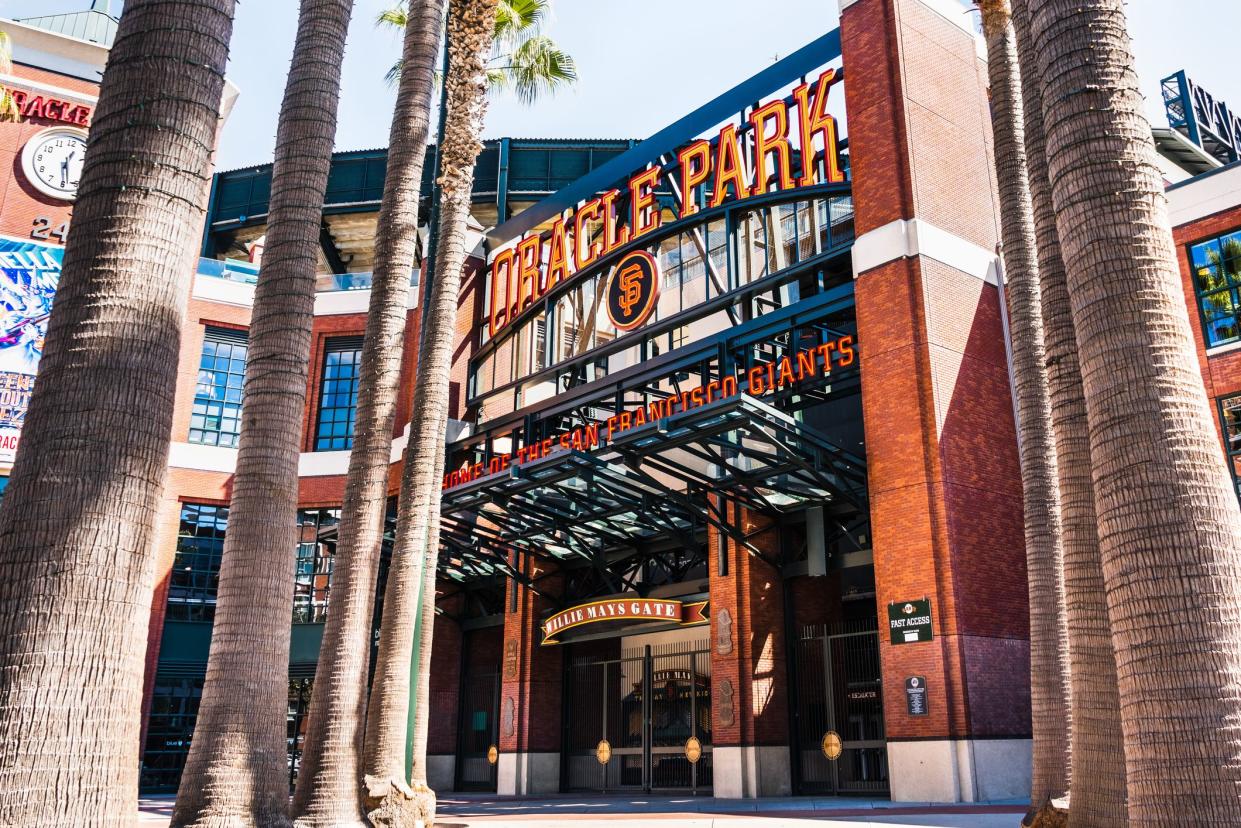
column 477, row 731
column 647, row 705
column 838, row 689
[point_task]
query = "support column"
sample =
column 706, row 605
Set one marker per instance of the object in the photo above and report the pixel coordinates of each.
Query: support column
column 945, row 487
column 749, row 685
column 446, row 677
column 531, row 681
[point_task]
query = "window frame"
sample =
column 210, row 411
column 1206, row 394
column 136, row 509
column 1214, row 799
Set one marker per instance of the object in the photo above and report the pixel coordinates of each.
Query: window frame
column 1200, row 295
column 200, row 598
column 218, row 335
column 1232, row 456
column 336, row 345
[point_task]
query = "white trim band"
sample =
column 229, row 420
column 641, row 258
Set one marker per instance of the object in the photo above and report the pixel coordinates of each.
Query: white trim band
column 908, row 238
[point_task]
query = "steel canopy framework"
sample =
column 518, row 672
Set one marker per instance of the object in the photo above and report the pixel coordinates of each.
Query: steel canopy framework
column 665, row 481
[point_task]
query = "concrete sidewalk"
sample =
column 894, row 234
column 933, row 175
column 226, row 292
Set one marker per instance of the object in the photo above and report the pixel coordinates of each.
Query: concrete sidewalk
column 469, row 811
column 491, row 811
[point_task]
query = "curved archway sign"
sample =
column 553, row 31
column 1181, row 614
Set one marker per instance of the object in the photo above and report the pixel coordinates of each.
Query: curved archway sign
column 627, row 611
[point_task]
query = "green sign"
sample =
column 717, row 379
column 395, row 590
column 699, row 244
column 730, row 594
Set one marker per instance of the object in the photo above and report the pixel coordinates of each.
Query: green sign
column 910, row 621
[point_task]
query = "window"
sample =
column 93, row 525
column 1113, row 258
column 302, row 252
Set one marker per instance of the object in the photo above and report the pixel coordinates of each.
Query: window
column 174, row 712
column 1230, row 418
column 216, row 417
column 338, row 395
column 1217, row 280
column 313, row 571
column 174, row 708
column 196, row 567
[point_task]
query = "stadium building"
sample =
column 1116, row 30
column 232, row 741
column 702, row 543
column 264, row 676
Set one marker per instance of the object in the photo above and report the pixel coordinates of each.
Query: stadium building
column 732, row 503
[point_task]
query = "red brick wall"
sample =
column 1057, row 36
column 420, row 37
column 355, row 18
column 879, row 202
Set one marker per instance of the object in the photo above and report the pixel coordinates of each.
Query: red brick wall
column 20, row 203
column 753, row 594
column 531, row 674
column 944, row 482
column 1221, row 372
column 445, row 676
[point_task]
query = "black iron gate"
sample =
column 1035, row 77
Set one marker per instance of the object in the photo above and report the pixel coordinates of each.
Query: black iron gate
column 652, row 706
column 477, row 731
column 838, row 691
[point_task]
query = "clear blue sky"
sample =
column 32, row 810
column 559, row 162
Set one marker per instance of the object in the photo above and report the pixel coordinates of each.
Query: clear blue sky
column 642, row 63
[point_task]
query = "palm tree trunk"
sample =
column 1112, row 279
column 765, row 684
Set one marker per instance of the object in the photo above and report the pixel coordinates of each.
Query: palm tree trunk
column 1097, row 797
column 1049, row 660
column 329, row 781
column 1169, row 527
column 470, row 24
column 237, row 769
column 76, row 527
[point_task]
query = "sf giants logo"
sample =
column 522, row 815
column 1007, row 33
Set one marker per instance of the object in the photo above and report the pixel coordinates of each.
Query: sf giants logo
column 630, row 287
column 633, row 289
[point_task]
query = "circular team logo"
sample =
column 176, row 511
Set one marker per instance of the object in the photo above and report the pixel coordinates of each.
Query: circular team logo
column 693, row 749
column 633, row 289
column 832, row 746
column 603, row 751
column 493, row 754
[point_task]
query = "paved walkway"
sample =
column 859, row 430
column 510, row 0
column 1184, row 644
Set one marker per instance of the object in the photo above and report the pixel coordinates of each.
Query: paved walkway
column 490, row 811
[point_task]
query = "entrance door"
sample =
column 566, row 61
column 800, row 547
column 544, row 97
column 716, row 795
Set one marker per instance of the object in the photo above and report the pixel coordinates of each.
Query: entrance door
column 838, row 690
column 478, row 731
column 647, row 705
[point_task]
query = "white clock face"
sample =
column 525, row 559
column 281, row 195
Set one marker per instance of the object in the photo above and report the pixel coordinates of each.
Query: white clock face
column 52, row 161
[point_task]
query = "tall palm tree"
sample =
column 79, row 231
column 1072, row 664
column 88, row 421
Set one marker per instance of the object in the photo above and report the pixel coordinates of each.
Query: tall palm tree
column 1169, row 527
column 237, row 767
column 1049, row 673
column 76, row 526
column 414, row 556
column 329, row 781
column 524, row 60
column 1097, row 795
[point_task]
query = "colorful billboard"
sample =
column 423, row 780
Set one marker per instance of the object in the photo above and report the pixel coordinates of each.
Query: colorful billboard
column 29, row 273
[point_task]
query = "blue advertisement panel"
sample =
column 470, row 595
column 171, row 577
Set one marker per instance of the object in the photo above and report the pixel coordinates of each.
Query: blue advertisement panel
column 29, row 273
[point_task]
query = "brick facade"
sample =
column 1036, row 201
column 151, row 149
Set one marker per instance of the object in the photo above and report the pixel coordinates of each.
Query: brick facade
column 1221, row 368
column 944, row 482
column 748, row 644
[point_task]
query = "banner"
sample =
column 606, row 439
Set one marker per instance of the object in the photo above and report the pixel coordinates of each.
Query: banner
column 625, row 609
column 29, row 273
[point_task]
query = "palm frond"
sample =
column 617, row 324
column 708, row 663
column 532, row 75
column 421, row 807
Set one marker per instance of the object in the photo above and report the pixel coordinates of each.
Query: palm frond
column 517, row 20
column 393, row 76
column 6, row 53
column 538, row 67
column 396, row 17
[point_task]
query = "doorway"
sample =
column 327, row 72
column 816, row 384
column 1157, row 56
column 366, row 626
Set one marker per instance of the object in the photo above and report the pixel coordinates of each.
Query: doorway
column 838, row 690
column 479, row 716
column 651, row 705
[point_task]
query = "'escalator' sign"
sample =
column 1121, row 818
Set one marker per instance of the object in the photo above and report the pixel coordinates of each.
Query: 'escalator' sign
column 910, row 621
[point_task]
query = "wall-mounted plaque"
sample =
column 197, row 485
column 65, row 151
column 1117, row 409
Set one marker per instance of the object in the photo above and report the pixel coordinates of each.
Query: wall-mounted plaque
column 915, row 696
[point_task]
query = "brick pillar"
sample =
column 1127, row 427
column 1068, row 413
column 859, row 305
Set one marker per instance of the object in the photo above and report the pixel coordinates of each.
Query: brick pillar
column 445, row 691
column 945, row 492
column 531, row 679
column 749, row 686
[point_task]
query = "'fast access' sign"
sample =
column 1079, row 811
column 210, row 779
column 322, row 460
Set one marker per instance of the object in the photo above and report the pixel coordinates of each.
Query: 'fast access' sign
column 910, row 621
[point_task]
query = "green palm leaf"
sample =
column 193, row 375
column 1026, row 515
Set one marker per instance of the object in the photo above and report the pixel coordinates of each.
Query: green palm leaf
column 526, row 62
column 9, row 110
column 537, row 67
